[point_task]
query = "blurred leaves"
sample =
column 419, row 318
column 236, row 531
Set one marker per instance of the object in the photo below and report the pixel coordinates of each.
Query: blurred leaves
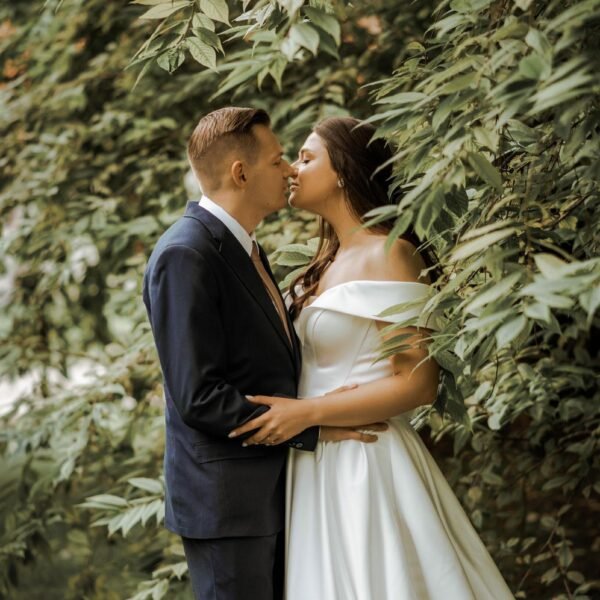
column 493, row 110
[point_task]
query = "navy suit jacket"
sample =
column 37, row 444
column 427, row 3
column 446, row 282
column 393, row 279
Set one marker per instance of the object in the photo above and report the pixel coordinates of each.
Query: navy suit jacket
column 219, row 338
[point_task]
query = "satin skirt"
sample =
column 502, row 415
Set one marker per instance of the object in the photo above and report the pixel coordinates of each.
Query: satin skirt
column 380, row 522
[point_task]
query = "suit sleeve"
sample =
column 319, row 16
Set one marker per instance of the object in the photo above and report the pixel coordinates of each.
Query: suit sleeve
column 183, row 307
column 190, row 340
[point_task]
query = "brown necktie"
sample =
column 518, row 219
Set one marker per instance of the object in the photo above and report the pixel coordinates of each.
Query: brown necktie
column 271, row 289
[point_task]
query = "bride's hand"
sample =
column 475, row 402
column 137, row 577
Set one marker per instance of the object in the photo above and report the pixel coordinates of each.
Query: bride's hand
column 281, row 422
column 285, row 418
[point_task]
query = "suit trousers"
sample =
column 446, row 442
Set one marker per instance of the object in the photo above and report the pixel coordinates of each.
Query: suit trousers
column 246, row 568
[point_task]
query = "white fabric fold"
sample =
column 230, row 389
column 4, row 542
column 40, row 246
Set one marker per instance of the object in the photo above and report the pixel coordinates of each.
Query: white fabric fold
column 368, row 299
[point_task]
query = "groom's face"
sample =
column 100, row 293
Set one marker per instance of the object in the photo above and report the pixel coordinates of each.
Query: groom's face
column 268, row 175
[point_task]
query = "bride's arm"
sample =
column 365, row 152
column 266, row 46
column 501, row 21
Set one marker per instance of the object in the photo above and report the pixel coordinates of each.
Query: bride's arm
column 413, row 384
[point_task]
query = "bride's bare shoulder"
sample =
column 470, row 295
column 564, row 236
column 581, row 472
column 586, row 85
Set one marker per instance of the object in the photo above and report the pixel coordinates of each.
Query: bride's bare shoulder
column 401, row 262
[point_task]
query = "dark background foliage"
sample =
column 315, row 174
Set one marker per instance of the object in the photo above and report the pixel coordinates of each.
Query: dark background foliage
column 493, row 107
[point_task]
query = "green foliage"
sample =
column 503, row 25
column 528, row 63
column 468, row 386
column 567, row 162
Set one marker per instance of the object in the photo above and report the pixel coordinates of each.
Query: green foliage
column 493, row 108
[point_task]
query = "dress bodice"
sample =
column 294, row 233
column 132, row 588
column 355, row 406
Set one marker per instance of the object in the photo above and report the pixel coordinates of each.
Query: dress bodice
column 339, row 335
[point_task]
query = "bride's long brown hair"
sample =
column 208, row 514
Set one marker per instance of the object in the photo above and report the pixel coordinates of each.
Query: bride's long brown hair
column 357, row 159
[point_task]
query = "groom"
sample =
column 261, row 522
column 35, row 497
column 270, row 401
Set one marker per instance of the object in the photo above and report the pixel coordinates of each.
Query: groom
column 222, row 333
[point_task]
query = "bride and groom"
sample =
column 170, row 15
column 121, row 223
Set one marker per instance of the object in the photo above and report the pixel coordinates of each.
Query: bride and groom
column 334, row 496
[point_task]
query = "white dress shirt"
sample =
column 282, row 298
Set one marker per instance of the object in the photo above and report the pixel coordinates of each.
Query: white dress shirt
column 241, row 235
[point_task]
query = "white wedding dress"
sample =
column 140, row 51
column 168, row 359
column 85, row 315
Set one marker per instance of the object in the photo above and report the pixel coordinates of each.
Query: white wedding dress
column 373, row 521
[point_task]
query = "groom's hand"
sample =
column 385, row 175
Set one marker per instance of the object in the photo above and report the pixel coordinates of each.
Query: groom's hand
column 362, row 433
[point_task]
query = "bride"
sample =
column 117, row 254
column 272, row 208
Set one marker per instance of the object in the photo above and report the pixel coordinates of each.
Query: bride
column 365, row 521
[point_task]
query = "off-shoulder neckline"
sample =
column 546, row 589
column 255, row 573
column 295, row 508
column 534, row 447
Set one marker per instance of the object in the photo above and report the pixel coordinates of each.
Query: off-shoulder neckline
column 378, row 281
column 368, row 298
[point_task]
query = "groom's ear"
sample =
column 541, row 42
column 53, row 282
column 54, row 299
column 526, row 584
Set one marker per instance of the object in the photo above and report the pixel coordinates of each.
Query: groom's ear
column 238, row 173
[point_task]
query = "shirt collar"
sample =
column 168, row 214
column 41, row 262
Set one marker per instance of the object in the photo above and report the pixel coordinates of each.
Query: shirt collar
column 241, row 235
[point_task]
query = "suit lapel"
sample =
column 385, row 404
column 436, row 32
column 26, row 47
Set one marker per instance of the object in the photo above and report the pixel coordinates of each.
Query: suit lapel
column 241, row 265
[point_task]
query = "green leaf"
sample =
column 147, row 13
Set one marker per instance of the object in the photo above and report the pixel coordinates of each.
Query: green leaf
column 429, row 211
column 285, row 284
column 538, row 40
column 485, row 169
column 202, row 53
column 492, row 293
column 459, row 83
column 469, row 6
column 494, row 421
column 514, row 28
column 554, row 300
column 481, row 243
column 149, row 485
column 277, row 69
column 556, row 482
column 561, row 91
column 291, row 6
column 305, row 250
column 106, row 501
column 327, row 23
column 576, row 577
column 565, row 554
column 590, row 301
column 306, row 36
column 538, row 311
column 508, row 332
column 293, row 259
column 415, row 45
column 400, row 226
column 535, row 67
column 328, row 46
column 549, row 265
column 379, row 214
column 486, row 137
column 216, row 10
column 238, row 76
column 403, row 98
column 492, row 478
column 209, row 37
column 171, row 60
column 202, row 21
column 395, row 341
column 401, row 308
column 162, row 11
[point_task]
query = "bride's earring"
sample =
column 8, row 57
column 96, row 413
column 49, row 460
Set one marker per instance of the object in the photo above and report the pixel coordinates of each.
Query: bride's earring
column 340, row 183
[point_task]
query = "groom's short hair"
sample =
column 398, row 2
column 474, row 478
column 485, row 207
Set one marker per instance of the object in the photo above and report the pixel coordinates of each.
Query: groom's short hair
column 220, row 132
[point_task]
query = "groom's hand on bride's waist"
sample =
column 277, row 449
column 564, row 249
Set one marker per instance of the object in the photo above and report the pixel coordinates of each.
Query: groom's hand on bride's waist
column 362, row 433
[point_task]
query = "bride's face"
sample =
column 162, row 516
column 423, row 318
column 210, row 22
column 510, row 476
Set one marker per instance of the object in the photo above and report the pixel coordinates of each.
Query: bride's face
column 314, row 185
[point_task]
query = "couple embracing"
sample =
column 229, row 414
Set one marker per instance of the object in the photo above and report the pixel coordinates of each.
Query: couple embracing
column 291, row 468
